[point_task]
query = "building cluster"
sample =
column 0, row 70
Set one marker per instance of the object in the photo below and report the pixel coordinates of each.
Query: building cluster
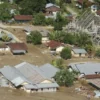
column 29, row 78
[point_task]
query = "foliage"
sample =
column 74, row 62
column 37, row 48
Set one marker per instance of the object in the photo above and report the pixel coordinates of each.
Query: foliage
column 58, row 63
column 69, row 38
column 83, row 39
column 59, row 22
column 57, row 35
column 49, row 21
column 35, row 37
column 5, row 38
column 5, row 11
column 32, row 6
column 66, row 53
column 39, row 19
column 97, row 54
column 64, row 78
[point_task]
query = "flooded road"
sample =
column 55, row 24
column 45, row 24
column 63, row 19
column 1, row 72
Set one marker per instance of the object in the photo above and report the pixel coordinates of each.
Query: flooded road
column 65, row 94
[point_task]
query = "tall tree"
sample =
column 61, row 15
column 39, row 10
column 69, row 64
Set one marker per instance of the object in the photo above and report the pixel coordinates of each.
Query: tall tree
column 32, row 6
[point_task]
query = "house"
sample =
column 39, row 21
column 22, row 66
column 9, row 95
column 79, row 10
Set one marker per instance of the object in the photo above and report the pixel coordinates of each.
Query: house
column 44, row 33
column 89, row 70
column 86, row 68
column 23, row 18
column 55, row 46
column 49, row 70
column 51, row 10
column 80, row 3
column 18, row 48
column 77, row 52
column 40, row 82
column 27, row 77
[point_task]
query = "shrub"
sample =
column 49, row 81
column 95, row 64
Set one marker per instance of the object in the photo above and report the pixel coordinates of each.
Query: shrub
column 66, row 53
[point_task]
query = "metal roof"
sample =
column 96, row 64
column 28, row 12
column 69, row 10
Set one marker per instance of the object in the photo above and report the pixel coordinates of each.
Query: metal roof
column 13, row 75
column 50, row 5
column 79, row 51
column 31, row 72
column 49, row 70
column 86, row 68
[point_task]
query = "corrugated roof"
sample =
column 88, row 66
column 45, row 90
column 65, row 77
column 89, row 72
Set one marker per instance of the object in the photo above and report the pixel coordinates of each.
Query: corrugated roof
column 23, row 17
column 79, row 51
column 88, row 68
column 13, row 75
column 50, row 5
column 49, row 70
column 95, row 82
column 31, row 72
column 17, row 46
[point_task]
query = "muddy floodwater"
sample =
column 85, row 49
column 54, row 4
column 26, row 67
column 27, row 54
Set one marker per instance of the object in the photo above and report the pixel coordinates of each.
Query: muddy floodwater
column 63, row 94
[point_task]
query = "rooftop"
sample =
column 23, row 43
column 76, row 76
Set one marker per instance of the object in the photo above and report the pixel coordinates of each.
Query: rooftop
column 23, row 17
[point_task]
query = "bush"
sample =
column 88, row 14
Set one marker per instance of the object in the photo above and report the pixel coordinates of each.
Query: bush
column 66, row 53
column 35, row 37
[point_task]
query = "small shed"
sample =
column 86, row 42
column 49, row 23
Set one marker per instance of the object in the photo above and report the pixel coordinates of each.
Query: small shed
column 77, row 52
column 18, row 48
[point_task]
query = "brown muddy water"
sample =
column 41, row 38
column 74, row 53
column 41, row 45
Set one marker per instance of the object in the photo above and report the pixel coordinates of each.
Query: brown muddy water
column 63, row 94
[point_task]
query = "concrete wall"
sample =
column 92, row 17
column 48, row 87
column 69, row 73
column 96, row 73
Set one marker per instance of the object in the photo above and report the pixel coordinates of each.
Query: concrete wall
column 78, row 55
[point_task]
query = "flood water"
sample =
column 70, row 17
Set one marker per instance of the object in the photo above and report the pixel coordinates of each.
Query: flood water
column 13, row 94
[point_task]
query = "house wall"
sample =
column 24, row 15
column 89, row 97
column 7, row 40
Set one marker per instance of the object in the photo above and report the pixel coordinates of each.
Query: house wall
column 78, row 55
column 45, row 39
column 4, row 49
column 46, row 81
column 74, row 55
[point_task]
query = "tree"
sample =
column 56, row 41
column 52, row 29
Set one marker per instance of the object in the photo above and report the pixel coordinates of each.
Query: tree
column 58, row 63
column 66, row 53
column 32, row 6
column 97, row 54
column 39, row 19
column 64, row 78
column 35, row 37
column 57, row 35
column 83, row 39
column 5, row 9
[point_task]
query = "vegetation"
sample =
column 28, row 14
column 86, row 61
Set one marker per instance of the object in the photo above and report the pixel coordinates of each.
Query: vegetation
column 31, row 7
column 5, row 38
column 39, row 19
column 97, row 54
column 5, row 11
column 66, row 53
column 58, row 63
column 64, row 78
column 35, row 37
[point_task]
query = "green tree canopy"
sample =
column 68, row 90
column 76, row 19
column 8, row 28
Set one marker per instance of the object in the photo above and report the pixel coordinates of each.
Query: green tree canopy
column 35, row 37
column 39, row 19
column 66, row 53
column 32, row 6
column 64, row 78
column 5, row 9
